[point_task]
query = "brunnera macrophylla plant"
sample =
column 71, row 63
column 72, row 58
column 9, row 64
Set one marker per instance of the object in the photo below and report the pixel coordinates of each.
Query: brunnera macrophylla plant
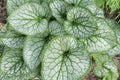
column 55, row 39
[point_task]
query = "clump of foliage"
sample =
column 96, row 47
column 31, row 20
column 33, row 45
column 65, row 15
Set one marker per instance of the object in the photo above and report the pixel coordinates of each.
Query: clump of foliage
column 113, row 4
column 55, row 39
column 111, row 8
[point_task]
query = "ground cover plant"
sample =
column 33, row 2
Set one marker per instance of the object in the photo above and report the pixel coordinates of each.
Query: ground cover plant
column 56, row 40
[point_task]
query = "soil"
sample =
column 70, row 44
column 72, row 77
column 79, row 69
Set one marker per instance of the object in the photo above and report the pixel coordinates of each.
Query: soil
column 112, row 15
column 90, row 76
column 3, row 13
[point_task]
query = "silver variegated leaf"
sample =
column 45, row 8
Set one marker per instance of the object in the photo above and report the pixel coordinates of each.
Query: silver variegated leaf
column 59, row 10
column 12, row 66
column 32, row 51
column 73, row 2
column 103, row 39
column 79, row 23
column 11, row 38
column 28, row 19
column 35, row 44
column 13, row 5
column 56, row 29
column 63, row 60
column 105, row 67
column 116, row 28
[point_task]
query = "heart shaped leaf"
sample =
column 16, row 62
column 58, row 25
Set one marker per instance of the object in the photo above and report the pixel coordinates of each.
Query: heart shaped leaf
column 32, row 51
column 28, row 19
column 103, row 39
column 56, row 29
column 12, row 5
column 11, row 38
column 93, row 7
column 47, row 9
column 105, row 67
column 59, row 10
column 35, row 44
column 116, row 49
column 63, row 60
column 79, row 23
column 13, row 67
